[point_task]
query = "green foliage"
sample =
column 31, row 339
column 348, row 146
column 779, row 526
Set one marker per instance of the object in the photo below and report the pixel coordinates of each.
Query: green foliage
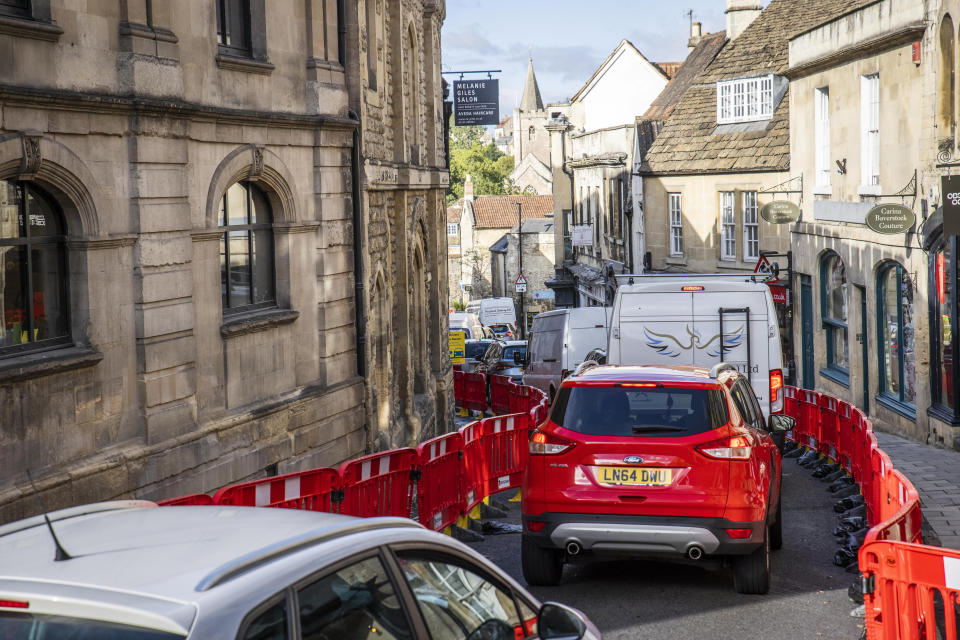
column 488, row 168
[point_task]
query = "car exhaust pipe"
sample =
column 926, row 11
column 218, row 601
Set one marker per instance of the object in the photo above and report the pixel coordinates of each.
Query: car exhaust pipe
column 695, row 552
column 573, row 548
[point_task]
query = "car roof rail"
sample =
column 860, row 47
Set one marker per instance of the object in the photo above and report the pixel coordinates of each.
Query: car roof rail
column 233, row 568
column 583, row 366
column 73, row 512
column 721, row 368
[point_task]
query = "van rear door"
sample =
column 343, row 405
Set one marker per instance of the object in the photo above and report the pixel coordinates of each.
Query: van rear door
column 655, row 328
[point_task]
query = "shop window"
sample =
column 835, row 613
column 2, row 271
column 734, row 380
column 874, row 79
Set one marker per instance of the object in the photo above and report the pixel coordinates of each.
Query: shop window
column 895, row 338
column 246, row 249
column 943, row 358
column 33, row 271
column 833, row 308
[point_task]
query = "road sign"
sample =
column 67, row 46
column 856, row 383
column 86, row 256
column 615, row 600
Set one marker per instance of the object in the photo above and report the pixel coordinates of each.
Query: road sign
column 521, row 284
column 765, row 268
column 582, row 235
column 458, row 347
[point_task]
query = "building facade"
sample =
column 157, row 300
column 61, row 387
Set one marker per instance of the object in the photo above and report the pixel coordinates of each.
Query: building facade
column 536, row 263
column 178, row 294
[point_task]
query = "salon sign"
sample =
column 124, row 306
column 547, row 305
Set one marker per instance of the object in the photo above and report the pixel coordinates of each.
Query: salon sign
column 890, row 219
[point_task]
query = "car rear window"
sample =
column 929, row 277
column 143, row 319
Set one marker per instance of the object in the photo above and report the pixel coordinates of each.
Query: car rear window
column 628, row 411
column 50, row 627
column 476, row 350
column 509, row 351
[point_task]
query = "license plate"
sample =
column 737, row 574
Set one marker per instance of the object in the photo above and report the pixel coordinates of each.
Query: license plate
column 636, row 476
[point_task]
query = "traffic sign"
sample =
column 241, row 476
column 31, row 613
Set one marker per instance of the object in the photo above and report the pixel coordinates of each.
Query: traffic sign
column 521, row 284
column 765, row 268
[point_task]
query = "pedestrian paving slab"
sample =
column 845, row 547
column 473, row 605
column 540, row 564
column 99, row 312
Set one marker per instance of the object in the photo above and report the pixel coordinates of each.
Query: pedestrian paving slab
column 935, row 473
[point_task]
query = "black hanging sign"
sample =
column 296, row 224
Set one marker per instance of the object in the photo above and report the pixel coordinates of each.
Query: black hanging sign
column 476, row 102
column 950, row 190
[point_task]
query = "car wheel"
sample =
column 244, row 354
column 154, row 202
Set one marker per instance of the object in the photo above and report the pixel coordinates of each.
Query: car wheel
column 751, row 573
column 541, row 567
column 776, row 529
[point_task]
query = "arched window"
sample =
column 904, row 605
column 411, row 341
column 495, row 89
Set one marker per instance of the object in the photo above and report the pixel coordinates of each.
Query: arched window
column 34, row 303
column 943, row 358
column 946, row 92
column 530, row 133
column 895, row 334
column 413, row 93
column 372, row 55
column 833, row 308
column 246, row 249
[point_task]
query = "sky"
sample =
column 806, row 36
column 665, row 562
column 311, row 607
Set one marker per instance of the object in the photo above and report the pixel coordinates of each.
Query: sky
column 568, row 39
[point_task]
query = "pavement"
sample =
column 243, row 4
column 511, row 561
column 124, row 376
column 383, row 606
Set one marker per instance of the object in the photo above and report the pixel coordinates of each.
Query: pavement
column 935, row 472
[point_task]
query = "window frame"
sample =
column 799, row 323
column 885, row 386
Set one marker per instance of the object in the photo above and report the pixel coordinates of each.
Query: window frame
column 728, row 225
column 821, row 121
column 747, row 99
column 250, row 229
column 14, row 9
column 225, row 9
column 60, row 241
column 253, row 57
column 832, row 370
column 750, row 204
column 870, row 130
column 898, row 401
column 675, row 224
column 456, row 229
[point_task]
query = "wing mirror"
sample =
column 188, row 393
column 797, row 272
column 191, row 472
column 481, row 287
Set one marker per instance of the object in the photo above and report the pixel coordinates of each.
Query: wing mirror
column 780, row 423
column 559, row 622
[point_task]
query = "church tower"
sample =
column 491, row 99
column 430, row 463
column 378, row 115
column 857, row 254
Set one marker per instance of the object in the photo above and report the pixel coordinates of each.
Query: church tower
column 531, row 100
column 531, row 141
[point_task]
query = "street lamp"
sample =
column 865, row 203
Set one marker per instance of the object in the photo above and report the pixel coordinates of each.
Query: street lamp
column 523, row 317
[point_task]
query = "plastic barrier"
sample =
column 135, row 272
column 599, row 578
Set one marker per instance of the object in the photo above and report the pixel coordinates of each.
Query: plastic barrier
column 192, row 500
column 501, row 388
column 474, row 392
column 473, row 475
column 458, row 386
column 439, row 501
column 380, row 484
column 505, row 451
column 313, row 490
column 828, row 437
column 911, row 591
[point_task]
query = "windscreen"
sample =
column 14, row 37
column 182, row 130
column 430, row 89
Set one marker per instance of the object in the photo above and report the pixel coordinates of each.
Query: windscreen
column 49, row 627
column 631, row 411
column 509, row 351
column 476, row 350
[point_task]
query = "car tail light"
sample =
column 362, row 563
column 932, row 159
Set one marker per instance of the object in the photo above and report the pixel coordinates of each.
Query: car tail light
column 739, row 534
column 735, row 448
column 776, row 383
column 536, row 526
column 544, row 444
column 14, row 604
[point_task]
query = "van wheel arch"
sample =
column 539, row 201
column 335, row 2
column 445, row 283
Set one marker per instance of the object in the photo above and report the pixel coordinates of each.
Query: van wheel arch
column 552, row 394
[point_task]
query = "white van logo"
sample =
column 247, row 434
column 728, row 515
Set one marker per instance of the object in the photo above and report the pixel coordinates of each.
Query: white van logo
column 668, row 345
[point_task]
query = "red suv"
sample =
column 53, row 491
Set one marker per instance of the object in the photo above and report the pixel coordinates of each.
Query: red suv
column 654, row 461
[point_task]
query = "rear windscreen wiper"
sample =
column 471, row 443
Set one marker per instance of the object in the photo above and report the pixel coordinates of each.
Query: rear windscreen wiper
column 651, row 428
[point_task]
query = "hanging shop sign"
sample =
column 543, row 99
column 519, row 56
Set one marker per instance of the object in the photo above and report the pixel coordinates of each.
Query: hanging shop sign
column 780, row 212
column 890, row 219
column 582, row 235
column 476, row 102
column 950, row 192
column 779, row 294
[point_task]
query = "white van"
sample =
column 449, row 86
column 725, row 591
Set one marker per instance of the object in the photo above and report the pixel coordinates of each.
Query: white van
column 559, row 341
column 469, row 324
column 701, row 320
column 493, row 311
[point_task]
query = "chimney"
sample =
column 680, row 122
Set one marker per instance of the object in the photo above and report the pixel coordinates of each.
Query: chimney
column 696, row 33
column 740, row 13
column 468, row 189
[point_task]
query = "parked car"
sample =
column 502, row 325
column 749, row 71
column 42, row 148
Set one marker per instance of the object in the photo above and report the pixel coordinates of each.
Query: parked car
column 138, row 572
column 671, row 462
column 559, row 340
column 504, row 359
column 701, row 320
column 469, row 324
column 503, row 331
column 474, row 351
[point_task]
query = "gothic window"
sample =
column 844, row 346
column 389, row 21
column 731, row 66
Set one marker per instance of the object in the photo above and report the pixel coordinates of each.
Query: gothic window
column 895, row 324
column 413, row 92
column 947, row 90
column 34, row 299
column 371, row 6
column 246, row 249
column 833, row 309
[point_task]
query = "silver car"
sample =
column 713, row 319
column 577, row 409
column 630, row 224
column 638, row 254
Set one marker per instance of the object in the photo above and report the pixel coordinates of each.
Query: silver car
column 132, row 571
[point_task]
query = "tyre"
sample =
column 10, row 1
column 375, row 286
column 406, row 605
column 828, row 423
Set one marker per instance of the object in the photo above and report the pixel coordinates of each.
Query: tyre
column 751, row 573
column 541, row 567
column 776, row 530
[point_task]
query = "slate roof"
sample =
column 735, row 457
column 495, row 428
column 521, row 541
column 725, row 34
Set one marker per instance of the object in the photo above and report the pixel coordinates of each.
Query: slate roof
column 683, row 78
column 500, row 212
column 687, row 144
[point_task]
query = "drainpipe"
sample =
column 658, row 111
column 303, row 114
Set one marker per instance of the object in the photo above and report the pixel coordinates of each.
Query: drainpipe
column 361, row 317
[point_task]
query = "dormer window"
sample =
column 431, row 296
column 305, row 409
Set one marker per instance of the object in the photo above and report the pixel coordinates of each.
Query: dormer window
column 745, row 99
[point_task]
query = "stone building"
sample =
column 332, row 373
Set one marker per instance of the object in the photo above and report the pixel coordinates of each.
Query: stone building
column 876, row 311
column 176, row 198
column 398, row 96
column 538, row 265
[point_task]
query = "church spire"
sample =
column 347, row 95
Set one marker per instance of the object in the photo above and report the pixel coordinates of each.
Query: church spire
column 531, row 100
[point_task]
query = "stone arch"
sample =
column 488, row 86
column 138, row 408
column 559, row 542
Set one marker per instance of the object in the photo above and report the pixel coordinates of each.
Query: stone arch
column 257, row 164
column 381, row 356
column 29, row 155
column 420, row 297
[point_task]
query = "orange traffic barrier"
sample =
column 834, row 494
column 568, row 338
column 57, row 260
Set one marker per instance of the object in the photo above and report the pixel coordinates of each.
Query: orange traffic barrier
column 439, row 500
column 380, row 484
column 501, row 388
column 192, row 500
column 313, row 490
column 505, row 449
column 473, row 475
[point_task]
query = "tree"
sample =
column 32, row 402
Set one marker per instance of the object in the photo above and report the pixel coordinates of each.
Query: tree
column 487, row 166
